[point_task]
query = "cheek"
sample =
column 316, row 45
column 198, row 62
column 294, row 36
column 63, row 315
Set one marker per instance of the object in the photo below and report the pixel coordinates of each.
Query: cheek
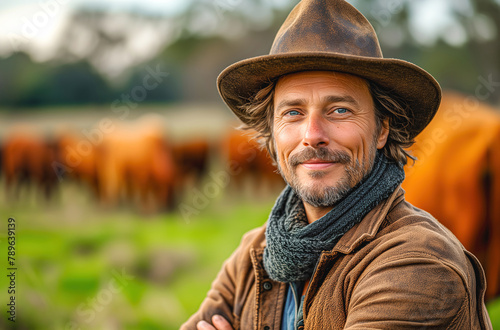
column 285, row 139
column 349, row 134
column 354, row 138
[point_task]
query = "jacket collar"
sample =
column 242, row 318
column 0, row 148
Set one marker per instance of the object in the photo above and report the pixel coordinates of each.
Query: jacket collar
column 369, row 226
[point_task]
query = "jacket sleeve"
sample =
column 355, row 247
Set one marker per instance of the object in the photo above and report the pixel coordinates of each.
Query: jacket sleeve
column 221, row 297
column 413, row 290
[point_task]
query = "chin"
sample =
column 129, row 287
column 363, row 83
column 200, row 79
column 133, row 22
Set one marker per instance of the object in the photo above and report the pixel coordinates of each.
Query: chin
column 322, row 196
column 324, row 178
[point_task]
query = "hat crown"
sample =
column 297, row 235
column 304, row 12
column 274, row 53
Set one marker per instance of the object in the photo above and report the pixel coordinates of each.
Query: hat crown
column 332, row 26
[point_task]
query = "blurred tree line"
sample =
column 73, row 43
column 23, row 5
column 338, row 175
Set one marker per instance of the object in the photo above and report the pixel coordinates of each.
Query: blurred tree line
column 102, row 55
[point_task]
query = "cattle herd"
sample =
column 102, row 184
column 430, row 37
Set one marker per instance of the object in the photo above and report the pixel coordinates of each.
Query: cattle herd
column 456, row 177
column 135, row 163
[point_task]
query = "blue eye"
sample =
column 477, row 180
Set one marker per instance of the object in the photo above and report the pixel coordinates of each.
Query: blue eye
column 341, row 110
column 293, row 113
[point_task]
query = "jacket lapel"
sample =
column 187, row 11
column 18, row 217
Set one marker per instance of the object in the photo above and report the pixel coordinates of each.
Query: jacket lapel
column 368, row 228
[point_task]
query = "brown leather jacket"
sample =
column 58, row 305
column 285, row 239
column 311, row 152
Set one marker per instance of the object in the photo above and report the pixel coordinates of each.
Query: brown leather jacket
column 398, row 268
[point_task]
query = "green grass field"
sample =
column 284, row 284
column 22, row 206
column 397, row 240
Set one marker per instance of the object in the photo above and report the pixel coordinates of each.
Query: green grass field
column 82, row 267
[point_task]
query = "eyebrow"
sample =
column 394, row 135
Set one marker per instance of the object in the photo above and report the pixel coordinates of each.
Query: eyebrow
column 338, row 99
column 290, row 103
column 327, row 99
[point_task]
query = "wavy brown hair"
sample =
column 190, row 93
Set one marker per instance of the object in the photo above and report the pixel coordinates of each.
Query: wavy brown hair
column 259, row 115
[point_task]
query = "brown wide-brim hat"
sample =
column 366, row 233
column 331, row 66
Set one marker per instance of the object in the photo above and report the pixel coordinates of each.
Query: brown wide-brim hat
column 331, row 35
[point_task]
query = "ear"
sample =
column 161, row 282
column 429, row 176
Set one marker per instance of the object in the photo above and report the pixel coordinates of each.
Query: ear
column 384, row 133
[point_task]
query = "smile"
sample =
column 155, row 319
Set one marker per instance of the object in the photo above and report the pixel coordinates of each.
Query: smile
column 317, row 164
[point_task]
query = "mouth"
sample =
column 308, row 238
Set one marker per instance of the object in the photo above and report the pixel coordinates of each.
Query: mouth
column 317, row 164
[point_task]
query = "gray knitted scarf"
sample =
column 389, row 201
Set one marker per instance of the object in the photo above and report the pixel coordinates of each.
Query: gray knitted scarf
column 294, row 246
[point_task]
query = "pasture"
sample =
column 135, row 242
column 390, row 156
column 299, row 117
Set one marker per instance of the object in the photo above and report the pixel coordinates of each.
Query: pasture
column 82, row 267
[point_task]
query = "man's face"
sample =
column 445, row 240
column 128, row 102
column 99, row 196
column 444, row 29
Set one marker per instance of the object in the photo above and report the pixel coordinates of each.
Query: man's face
column 325, row 133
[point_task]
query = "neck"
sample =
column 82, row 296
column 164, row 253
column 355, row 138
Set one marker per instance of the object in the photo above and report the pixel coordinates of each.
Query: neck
column 314, row 213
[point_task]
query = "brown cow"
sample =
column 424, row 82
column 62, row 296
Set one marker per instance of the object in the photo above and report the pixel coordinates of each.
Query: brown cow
column 136, row 164
column 457, row 178
column 78, row 159
column 27, row 160
column 248, row 164
column 193, row 159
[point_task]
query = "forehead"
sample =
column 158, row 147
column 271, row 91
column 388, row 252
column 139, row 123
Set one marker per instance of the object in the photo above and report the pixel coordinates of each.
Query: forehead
column 302, row 81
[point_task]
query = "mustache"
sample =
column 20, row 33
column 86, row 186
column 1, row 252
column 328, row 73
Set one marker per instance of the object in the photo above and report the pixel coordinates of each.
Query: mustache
column 324, row 154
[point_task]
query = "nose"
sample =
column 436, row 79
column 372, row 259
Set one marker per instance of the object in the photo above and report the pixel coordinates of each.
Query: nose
column 316, row 134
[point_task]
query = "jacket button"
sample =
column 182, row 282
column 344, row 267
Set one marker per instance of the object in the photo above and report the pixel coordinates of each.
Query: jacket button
column 266, row 327
column 267, row 286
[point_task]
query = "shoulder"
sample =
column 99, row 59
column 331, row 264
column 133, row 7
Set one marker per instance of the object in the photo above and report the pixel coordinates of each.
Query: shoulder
column 252, row 240
column 420, row 231
column 255, row 238
column 415, row 236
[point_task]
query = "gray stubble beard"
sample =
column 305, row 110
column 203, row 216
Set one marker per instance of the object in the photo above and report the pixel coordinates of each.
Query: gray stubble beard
column 331, row 195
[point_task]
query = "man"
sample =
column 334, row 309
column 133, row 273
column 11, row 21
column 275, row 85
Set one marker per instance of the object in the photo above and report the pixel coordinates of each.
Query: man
column 341, row 249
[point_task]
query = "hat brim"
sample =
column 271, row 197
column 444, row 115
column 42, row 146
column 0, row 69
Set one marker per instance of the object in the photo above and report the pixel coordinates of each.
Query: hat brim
column 238, row 83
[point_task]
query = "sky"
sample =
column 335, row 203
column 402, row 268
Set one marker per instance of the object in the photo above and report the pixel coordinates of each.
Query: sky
column 38, row 22
column 154, row 6
column 35, row 27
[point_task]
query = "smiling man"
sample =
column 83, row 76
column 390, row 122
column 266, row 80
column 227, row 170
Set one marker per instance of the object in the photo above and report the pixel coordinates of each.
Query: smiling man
column 342, row 249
